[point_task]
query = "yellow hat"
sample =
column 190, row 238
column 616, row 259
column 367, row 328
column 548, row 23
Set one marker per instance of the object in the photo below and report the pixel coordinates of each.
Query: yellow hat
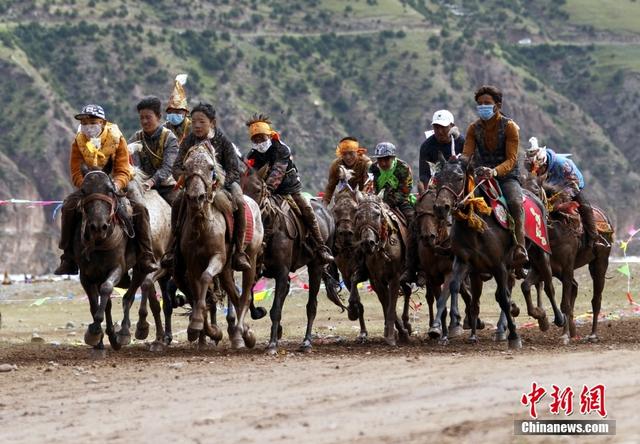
column 347, row 146
column 178, row 98
column 260, row 127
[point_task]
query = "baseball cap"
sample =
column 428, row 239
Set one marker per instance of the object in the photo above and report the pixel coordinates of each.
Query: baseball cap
column 442, row 117
column 385, row 149
column 91, row 111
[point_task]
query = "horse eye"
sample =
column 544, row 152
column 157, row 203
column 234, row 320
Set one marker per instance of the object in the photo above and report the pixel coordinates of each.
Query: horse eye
column 210, row 167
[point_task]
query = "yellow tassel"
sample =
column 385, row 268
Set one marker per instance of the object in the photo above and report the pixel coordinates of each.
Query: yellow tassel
column 474, row 206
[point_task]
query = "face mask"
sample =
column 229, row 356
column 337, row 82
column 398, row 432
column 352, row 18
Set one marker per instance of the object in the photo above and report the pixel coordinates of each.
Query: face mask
column 175, row 119
column 263, row 146
column 91, row 130
column 485, row 112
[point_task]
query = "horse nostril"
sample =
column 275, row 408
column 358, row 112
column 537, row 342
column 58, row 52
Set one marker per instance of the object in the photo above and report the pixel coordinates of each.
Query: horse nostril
column 93, row 227
column 105, row 227
column 349, row 232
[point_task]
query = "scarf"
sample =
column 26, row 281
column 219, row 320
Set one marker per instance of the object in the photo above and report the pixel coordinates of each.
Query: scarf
column 388, row 177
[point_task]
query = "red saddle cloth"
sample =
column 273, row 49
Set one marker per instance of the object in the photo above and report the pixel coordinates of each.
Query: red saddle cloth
column 248, row 216
column 535, row 226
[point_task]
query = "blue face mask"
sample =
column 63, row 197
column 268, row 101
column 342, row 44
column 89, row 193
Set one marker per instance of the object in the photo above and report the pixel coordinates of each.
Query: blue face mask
column 485, row 112
column 175, row 119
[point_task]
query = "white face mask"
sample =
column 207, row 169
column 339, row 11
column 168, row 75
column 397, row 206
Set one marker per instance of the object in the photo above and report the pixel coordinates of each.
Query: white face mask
column 91, row 130
column 263, row 146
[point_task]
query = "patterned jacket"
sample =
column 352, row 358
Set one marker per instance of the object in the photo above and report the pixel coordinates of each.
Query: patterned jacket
column 360, row 174
column 562, row 172
column 226, row 156
column 282, row 177
column 395, row 197
column 157, row 155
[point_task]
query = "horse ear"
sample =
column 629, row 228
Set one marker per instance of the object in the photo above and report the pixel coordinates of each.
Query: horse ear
column 441, row 158
column 434, row 168
column 262, row 172
column 358, row 196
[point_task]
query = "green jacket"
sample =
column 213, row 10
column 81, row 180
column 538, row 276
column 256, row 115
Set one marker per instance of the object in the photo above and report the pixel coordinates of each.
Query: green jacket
column 396, row 195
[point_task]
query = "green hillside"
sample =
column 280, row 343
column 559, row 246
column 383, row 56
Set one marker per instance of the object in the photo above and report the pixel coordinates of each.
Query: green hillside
column 376, row 69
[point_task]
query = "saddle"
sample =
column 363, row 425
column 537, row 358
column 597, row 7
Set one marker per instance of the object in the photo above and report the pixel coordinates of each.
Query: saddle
column 569, row 211
column 400, row 224
column 290, row 215
column 535, row 224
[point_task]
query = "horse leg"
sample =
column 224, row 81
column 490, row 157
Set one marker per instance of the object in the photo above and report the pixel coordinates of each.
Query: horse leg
column 430, row 300
column 459, row 270
column 196, row 324
column 355, row 310
column 455, row 329
column 236, row 309
column 565, row 304
column 246, row 300
column 475, row 282
column 111, row 334
column 503, row 298
column 597, row 269
column 392, row 290
column 156, row 310
column 535, row 312
column 93, row 335
column 282, row 288
column 546, row 276
column 404, row 327
column 574, row 296
column 315, row 275
column 167, row 309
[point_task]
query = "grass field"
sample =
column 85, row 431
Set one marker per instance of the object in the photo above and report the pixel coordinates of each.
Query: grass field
column 610, row 15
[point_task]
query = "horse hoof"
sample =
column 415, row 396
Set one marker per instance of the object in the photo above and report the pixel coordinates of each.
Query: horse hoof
column 543, row 324
column 142, row 330
column 279, row 332
column 499, row 336
column 515, row 310
column 258, row 313
column 271, row 351
column 404, row 339
column 196, row 325
column 409, row 328
column 123, row 339
column 435, row 332
column 564, row 339
column 167, row 339
column 192, row 334
column 454, row 332
column 443, row 341
column 157, row 346
column 390, row 341
column 560, row 321
column 593, row 338
column 98, row 353
column 515, row 344
column 479, row 324
column 352, row 312
column 92, row 339
column 305, row 347
column 237, row 342
column 473, row 340
column 362, row 338
column 113, row 340
column 466, row 325
column 249, row 338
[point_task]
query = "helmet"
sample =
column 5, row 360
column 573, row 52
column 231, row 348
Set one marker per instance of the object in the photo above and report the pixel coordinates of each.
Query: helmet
column 385, row 149
column 537, row 155
column 91, row 111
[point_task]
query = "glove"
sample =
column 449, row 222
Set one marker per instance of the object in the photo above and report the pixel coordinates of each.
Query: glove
column 484, row 172
column 454, row 132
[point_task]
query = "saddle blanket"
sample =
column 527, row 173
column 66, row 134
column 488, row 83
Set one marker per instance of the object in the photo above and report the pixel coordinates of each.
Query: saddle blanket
column 248, row 232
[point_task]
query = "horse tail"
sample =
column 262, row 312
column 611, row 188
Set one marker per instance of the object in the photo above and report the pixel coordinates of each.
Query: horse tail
column 331, row 284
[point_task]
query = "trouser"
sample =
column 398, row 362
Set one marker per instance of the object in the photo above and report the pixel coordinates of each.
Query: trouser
column 70, row 217
column 586, row 214
column 239, row 220
column 309, row 218
column 513, row 194
column 168, row 193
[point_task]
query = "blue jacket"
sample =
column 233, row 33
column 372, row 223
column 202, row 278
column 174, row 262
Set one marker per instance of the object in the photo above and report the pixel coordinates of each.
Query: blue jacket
column 563, row 173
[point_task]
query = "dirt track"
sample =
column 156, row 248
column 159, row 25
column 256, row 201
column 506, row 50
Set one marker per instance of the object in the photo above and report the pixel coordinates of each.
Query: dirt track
column 342, row 392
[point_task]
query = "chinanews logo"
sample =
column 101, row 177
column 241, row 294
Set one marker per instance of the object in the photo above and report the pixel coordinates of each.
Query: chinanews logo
column 590, row 404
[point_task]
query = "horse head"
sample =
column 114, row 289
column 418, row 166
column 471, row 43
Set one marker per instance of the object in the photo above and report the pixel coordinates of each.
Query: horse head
column 449, row 184
column 429, row 225
column 98, row 206
column 369, row 222
column 202, row 175
column 344, row 211
column 252, row 182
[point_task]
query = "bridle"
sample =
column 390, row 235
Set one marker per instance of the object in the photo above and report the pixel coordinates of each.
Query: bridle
column 207, row 182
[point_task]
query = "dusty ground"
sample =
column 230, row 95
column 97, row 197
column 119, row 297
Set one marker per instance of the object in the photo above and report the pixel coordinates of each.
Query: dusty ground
column 341, row 392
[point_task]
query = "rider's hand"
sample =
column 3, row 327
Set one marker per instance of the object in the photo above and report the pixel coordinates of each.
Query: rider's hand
column 485, row 172
column 147, row 185
column 454, row 132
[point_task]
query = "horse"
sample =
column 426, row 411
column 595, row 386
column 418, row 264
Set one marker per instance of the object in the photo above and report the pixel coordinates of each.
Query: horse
column 205, row 246
column 383, row 249
column 343, row 212
column 569, row 252
column 485, row 249
column 287, row 250
column 104, row 253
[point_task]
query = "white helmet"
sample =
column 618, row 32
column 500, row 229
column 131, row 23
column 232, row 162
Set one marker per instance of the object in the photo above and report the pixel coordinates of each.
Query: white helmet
column 537, row 155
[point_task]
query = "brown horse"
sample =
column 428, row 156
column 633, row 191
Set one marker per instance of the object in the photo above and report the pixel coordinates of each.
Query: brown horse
column 569, row 252
column 478, row 252
column 104, row 253
column 344, row 212
column 287, row 250
column 204, row 247
column 384, row 255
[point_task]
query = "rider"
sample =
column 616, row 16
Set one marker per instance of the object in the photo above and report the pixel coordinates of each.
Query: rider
column 563, row 172
column 393, row 177
column 351, row 156
column 282, row 177
column 178, row 119
column 100, row 144
column 492, row 141
column 438, row 142
column 159, row 148
column 205, row 131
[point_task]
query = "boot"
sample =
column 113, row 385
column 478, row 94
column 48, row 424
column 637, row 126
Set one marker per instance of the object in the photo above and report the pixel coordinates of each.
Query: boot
column 311, row 222
column 589, row 225
column 411, row 262
column 67, row 262
column 167, row 260
column 520, row 257
column 240, row 260
column 145, row 259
